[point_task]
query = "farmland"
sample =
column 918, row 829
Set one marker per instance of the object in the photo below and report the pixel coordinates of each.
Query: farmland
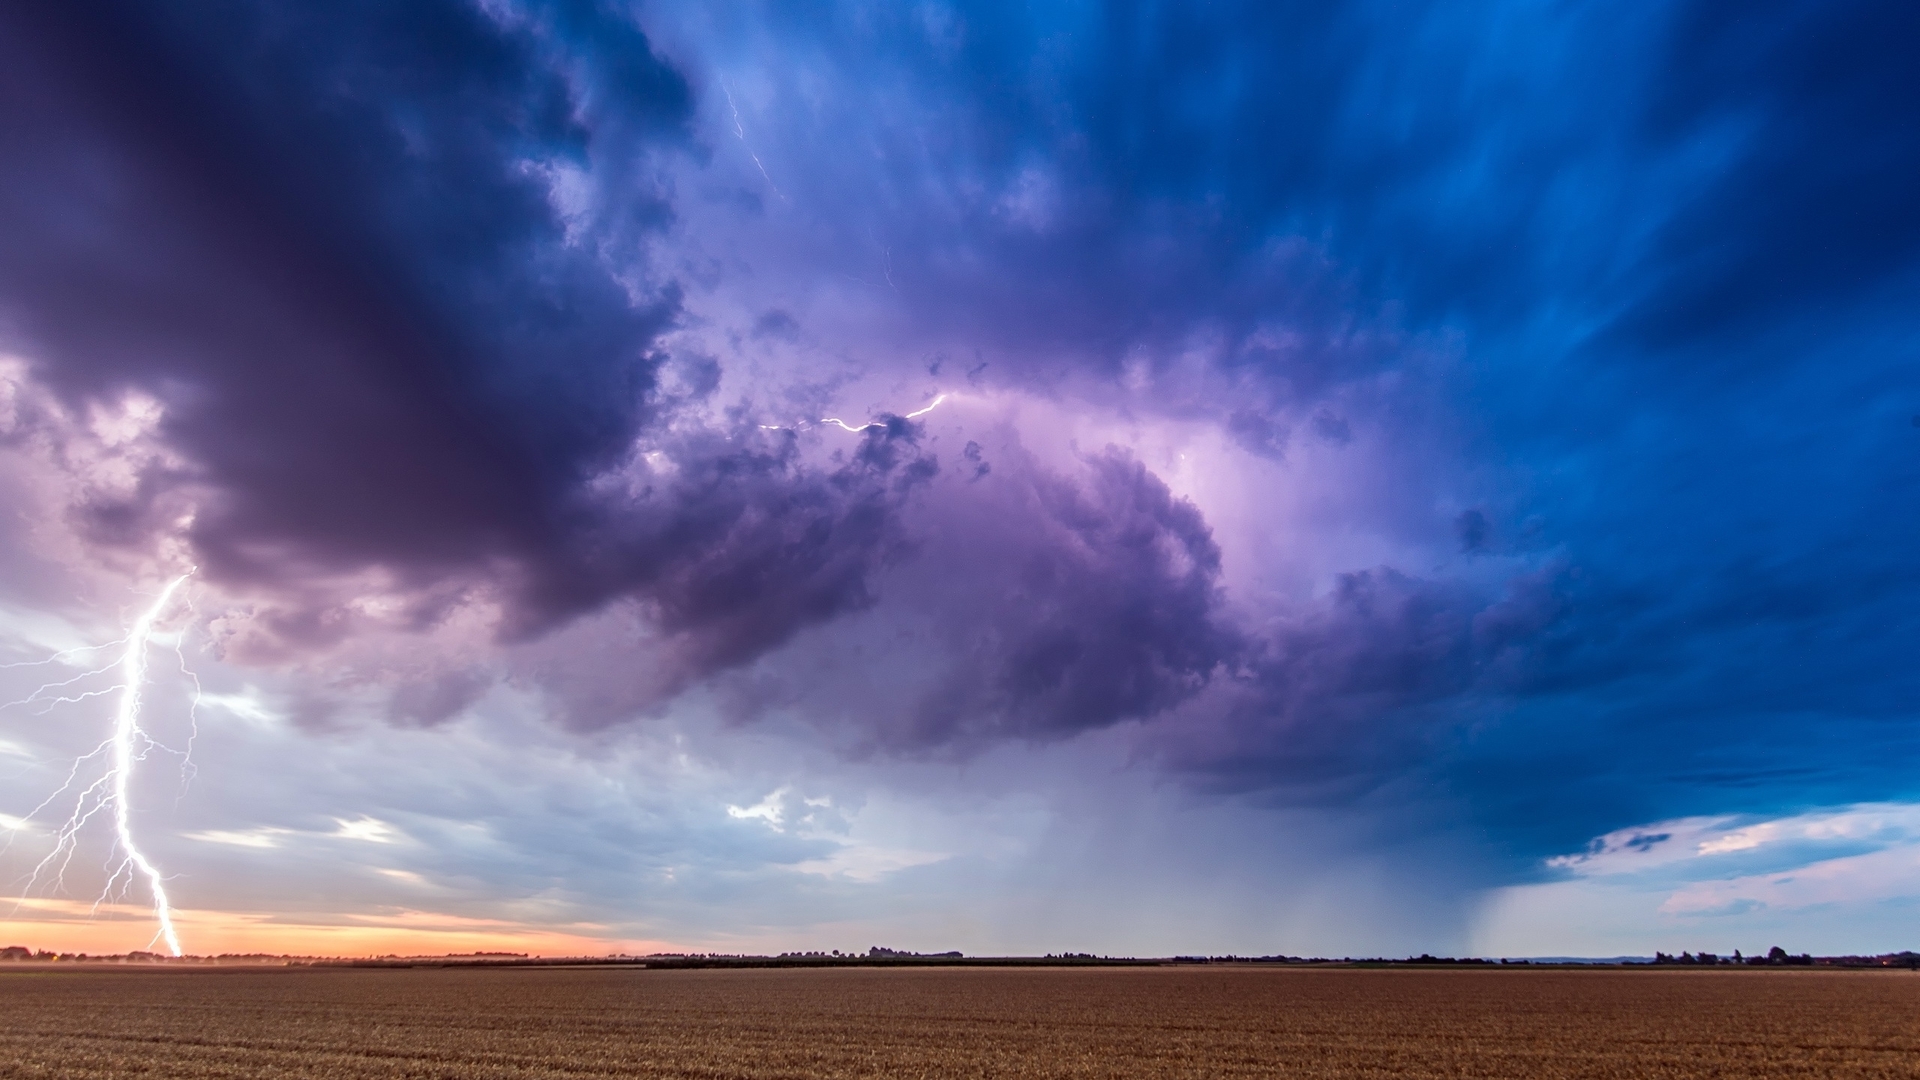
column 1126, row 1022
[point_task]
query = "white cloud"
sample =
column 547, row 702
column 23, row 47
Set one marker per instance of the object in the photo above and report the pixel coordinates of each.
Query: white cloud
column 249, row 705
column 371, row 830
column 263, row 837
column 1741, row 839
column 44, row 635
column 368, row 829
column 1836, row 879
column 407, row 877
column 862, row 863
column 770, row 810
column 1890, row 874
column 1681, row 844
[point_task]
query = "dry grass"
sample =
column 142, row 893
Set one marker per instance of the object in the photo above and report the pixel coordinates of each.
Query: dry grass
column 1153, row 1022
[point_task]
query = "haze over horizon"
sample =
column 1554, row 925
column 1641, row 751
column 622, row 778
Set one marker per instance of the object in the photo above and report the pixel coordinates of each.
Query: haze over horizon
column 1126, row 478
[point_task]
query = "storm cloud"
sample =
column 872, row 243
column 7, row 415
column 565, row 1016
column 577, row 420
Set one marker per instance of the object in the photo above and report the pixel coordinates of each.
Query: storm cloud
column 349, row 254
column 1494, row 422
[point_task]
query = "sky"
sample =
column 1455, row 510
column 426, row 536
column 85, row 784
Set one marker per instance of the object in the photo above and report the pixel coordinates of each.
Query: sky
column 1131, row 478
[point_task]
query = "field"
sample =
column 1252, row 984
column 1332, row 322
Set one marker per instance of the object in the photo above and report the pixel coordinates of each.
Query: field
column 1125, row 1022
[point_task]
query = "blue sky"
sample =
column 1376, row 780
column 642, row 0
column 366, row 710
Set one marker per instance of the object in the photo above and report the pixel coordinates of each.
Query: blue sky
column 1303, row 478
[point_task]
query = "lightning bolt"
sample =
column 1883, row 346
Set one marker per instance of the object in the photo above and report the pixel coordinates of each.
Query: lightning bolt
column 916, row 414
column 844, row 426
column 125, row 746
column 741, row 134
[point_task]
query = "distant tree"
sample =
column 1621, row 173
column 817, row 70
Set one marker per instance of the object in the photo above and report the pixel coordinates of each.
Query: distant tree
column 1776, row 955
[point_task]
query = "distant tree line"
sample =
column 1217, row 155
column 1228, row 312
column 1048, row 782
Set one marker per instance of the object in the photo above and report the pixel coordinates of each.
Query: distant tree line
column 1776, row 957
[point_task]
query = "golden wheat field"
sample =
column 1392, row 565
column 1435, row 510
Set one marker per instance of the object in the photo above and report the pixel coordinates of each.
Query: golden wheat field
column 944, row 1022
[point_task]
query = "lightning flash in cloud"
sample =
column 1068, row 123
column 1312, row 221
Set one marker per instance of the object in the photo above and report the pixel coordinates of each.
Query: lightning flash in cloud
column 127, row 745
column 916, row 414
column 741, row 133
column 857, row 429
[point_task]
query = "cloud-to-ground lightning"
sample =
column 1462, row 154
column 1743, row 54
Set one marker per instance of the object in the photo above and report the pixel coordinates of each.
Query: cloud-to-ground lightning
column 124, row 747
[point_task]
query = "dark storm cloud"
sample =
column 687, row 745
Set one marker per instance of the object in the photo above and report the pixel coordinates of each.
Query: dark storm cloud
column 321, row 236
column 1817, row 208
column 1675, row 245
column 340, row 245
column 1363, row 685
column 1086, row 605
column 1099, row 183
column 1036, row 605
column 721, row 559
column 749, row 547
column 1103, row 182
column 349, row 247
